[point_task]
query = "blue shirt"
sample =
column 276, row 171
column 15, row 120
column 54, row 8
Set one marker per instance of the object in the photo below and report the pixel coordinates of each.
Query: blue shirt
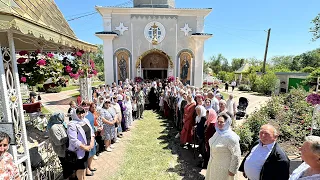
column 256, row 160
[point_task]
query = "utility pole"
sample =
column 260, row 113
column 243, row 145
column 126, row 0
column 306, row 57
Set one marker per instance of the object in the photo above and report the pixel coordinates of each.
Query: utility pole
column 266, row 53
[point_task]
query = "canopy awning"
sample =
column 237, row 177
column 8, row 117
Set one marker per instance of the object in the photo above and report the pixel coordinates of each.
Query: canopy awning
column 41, row 24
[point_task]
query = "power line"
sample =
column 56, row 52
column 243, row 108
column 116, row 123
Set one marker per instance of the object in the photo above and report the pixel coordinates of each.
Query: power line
column 82, row 16
column 240, row 29
column 94, row 12
column 239, row 36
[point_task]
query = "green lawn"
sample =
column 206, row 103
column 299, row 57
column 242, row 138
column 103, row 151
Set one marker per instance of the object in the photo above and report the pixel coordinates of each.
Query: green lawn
column 45, row 110
column 73, row 87
column 147, row 155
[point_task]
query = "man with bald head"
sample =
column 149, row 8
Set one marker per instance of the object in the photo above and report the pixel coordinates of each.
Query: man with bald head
column 266, row 160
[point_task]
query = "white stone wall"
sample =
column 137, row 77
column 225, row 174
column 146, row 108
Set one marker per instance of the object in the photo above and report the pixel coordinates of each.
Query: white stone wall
column 134, row 39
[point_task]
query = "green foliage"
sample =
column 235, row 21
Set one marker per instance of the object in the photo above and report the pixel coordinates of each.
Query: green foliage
column 312, row 78
column 289, row 112
column 244, row 87
column 245, row 135
column 267, row 83
column 40, row 88
column 308, row 69
column 56, row 89
column 237, row 63
column 101, row 76
column 282, row 62
column 316, row 27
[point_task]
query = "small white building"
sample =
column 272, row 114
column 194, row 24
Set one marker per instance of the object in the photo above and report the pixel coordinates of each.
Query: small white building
column 153, row 40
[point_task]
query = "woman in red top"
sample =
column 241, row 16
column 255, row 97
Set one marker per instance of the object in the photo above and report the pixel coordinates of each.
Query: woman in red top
column 208, row 133
column 188, row 120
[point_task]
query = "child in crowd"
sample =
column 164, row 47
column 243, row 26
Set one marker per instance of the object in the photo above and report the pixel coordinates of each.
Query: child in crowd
column 134, row 108
column 128, row 111
column 161, row 102
column 72, row 110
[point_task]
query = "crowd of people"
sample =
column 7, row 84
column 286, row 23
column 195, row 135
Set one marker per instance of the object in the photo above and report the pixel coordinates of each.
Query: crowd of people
column 202, row 117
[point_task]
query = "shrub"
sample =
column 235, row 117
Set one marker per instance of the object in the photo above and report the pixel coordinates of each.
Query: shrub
column 56, row 89
column 101, row 76
column 267, row 84
column 40, row 88
column 244, row 87
column 245, row 135
column 290, row 112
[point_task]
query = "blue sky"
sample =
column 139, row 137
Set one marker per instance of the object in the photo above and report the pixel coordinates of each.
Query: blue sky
column 237, row 25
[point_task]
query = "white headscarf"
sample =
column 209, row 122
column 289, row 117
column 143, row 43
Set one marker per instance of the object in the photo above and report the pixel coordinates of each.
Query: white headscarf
column 202, row 113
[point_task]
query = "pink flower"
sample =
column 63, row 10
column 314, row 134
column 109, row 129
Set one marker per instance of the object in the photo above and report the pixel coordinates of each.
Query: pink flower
column 80, row 72
column 50, row 55
column 313, row 99
column 22, row 53
column 37, row 51
column 90, row 76
column 286, row 108
column 41, row 62
column 23, row 79
column 21, row 60
column 79, row 53
column 92, row 63
column 68, row 69
column 95, row 72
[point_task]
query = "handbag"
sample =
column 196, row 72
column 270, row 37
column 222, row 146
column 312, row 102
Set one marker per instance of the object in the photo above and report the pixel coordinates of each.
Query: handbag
column 71, row 156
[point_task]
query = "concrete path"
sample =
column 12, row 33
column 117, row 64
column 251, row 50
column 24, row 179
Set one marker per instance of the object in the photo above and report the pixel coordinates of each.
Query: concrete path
column 58, row 102
column 255, row 101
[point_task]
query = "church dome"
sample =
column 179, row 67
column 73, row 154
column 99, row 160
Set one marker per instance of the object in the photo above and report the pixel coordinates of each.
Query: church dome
column 154, row 3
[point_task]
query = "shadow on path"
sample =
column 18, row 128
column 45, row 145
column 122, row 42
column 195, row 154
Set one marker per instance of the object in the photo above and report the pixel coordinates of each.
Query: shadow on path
column 187, row 164
column 62, row 101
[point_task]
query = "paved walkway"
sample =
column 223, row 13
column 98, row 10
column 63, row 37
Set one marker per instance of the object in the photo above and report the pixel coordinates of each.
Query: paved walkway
column 58, row 102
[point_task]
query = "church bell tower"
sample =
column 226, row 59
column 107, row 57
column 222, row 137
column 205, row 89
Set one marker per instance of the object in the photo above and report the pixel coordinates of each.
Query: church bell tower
column 154, row 3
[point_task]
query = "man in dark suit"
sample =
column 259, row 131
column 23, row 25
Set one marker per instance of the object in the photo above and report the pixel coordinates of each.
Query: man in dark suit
column 266, row 160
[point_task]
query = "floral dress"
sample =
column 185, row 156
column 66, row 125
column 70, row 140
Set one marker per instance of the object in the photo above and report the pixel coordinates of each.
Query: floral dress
column 8, row 170
column 109, row 130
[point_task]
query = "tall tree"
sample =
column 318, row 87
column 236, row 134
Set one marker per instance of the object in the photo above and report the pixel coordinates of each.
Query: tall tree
column 315, row 30
column 237, row 63
column 215, row 63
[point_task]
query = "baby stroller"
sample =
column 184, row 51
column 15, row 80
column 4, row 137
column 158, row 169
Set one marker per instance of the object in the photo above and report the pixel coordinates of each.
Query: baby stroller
column 243, row 104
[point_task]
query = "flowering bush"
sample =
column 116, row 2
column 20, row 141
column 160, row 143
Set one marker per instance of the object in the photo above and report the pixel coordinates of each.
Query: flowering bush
column 170, row 79
column 138, row 79
column 313, row 99
column 289, row 112
column 77, row 66
column 34, row 67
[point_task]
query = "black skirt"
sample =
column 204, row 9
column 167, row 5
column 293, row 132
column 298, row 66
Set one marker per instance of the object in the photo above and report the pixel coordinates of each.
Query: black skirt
column 82, row 163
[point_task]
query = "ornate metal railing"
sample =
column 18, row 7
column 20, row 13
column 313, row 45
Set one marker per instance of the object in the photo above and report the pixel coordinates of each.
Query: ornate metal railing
column 51, row 168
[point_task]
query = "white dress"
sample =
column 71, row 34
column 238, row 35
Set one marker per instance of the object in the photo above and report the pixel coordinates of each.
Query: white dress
column 225, row 156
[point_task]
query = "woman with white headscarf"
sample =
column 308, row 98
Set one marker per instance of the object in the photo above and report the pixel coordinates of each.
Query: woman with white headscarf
column 200, row 121
column 225, row 151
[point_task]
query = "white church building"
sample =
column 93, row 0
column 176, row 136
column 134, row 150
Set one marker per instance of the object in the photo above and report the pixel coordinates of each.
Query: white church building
column 153, row 40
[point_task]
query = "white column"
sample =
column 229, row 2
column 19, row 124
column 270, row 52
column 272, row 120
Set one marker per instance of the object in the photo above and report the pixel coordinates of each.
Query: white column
column 108, row 56
column 107, row 22
column 200, row 24
column 116, row 69
column 17, row 104
column 199, row 50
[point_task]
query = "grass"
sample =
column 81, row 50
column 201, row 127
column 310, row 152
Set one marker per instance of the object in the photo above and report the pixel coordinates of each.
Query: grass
column 73, row 87
column 75, row 94
column 45, row 110
column 147, row 157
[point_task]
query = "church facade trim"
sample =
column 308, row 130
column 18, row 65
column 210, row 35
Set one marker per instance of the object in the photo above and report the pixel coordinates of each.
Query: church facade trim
column 158, row 43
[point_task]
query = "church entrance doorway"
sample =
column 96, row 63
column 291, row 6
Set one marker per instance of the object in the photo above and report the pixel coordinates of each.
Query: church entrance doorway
column 154, row 66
